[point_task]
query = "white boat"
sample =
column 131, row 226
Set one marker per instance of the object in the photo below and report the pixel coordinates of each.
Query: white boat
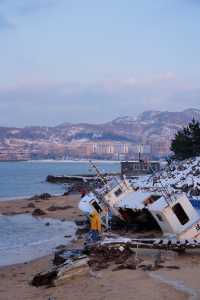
column 176, row 217
column 121, row 200
column 174, row 214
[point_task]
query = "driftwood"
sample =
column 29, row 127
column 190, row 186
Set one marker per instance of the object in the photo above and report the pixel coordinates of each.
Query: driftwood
column 78, row 268
column 57, row 275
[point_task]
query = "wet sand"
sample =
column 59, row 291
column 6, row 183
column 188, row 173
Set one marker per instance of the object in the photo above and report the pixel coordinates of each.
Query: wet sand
column 105, row 284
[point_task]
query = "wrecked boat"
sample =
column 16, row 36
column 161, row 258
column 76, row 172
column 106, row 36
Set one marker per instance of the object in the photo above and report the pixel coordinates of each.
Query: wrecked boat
column 172, row 213
column 118, row 200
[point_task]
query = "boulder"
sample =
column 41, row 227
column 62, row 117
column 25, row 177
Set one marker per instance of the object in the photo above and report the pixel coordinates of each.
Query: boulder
column 38, row 212
column 45, row 196
column 44, row 278
column 31, row 205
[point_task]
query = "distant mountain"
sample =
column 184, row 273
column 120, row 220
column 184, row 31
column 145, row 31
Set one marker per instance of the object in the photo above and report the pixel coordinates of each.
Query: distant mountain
column 155, row 128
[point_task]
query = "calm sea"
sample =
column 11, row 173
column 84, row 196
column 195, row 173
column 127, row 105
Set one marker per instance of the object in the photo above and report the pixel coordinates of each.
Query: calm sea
column 22, row 179
column 24, row 238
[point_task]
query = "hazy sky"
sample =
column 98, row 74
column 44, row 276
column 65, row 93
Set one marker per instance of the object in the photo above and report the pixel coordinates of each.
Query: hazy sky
column 94, row 60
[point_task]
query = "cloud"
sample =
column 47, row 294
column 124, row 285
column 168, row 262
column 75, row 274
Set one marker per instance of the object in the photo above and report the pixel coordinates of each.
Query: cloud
column 50, row 103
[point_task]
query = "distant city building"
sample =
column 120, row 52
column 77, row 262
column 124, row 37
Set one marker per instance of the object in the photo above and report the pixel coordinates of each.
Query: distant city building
column 110, row 148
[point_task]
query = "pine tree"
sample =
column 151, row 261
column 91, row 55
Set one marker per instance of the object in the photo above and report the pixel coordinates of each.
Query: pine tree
column 186, row 143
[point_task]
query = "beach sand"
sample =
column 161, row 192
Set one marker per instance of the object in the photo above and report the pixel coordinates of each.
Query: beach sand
column 106, row 284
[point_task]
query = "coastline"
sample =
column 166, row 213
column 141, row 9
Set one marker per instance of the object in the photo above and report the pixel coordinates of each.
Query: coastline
column 106, row 284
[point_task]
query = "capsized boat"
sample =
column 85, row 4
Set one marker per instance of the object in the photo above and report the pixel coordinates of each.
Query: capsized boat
column 118, row 198
column 173, row 213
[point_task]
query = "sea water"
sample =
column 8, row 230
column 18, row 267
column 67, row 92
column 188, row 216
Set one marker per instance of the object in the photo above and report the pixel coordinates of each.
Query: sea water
column 25, row 179
column 24, row 238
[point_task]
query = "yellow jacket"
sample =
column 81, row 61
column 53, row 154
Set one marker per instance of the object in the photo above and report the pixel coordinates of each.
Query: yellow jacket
column 95, row 221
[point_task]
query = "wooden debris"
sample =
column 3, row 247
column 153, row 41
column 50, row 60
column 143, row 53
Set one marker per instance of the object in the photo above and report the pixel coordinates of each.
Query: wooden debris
column 59, row 274
column 62, row 255
column 78, row 268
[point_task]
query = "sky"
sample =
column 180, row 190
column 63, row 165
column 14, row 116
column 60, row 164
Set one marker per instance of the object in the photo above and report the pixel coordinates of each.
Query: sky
column 92, row 61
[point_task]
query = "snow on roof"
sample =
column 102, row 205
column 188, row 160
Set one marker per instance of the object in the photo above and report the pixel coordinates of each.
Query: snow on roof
column 133, row 200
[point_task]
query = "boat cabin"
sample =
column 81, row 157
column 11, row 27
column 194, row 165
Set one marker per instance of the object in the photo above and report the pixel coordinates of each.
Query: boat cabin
column 176, row 217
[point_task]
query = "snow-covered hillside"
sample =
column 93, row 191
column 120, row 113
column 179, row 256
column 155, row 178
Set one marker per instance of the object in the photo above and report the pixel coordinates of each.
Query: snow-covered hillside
column 178, row 176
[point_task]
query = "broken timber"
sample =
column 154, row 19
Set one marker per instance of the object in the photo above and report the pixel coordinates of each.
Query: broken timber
column 162, row 244
column 59, row 274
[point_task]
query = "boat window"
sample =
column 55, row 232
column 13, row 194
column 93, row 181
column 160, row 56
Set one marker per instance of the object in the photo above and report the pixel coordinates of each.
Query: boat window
column 96, row 206
column 159, row 218
column 180, row 213
column 118, row 192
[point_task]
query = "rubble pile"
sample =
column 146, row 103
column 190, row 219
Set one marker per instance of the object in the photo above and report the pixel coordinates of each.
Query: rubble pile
column 115, row 253
column 68, row 264
column 179, row 176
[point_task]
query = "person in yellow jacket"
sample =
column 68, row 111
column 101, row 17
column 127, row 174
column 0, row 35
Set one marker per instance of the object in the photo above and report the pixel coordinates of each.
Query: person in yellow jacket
column 95, row 226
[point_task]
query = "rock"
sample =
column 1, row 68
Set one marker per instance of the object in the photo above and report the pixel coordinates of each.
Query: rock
column 147, row 267
column 45, row 278
column 66, row 193
column 12, row 213
column 45, row 196
column 31, row 205
column 38, row 212
column 56, row 207
column 173, row 267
